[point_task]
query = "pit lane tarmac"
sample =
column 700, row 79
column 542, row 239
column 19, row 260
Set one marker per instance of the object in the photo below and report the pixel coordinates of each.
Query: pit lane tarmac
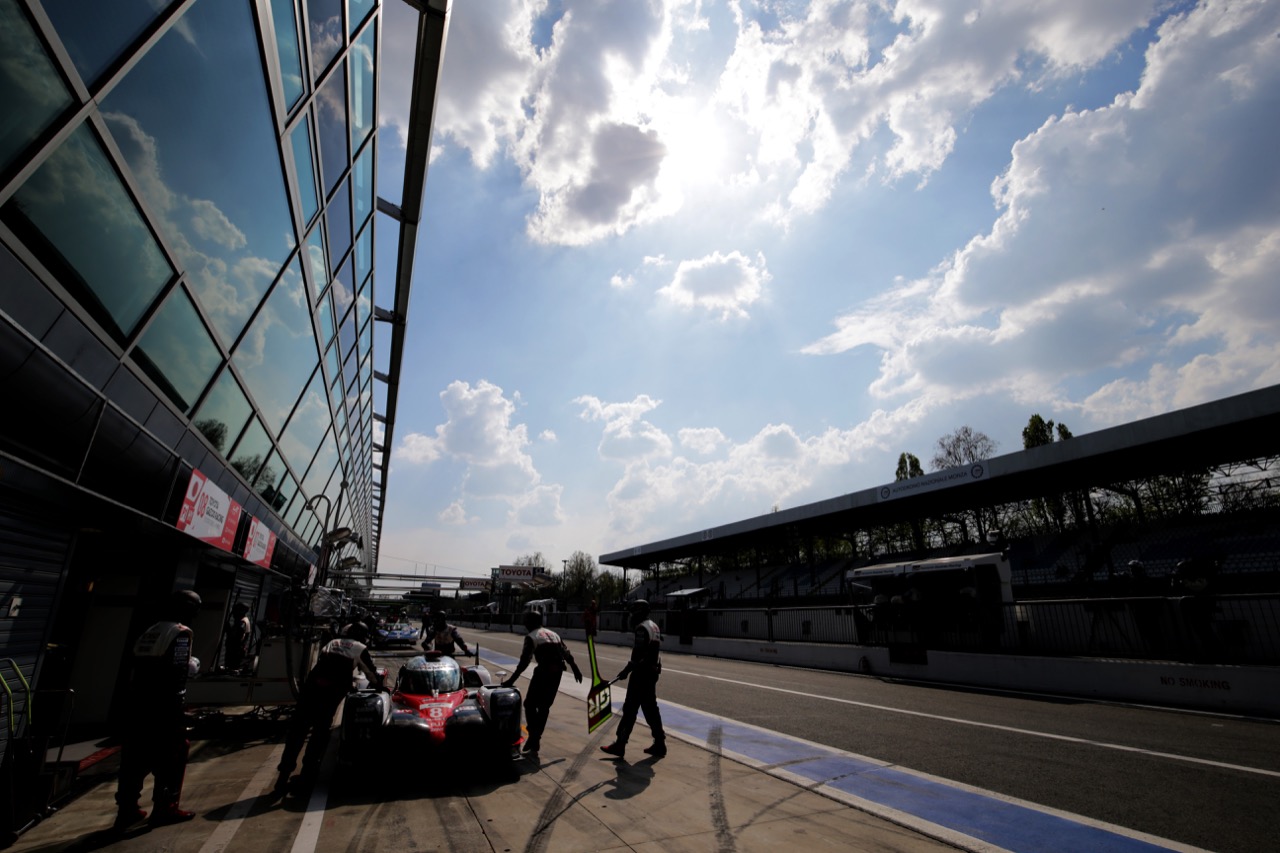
column 574, row 799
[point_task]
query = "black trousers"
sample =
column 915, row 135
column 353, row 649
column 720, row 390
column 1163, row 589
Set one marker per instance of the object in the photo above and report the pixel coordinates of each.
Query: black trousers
column 156, row 744
column 543, row 686
column 313, row 716
column 642, row 695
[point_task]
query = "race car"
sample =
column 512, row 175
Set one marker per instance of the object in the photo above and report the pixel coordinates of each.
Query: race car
column 395, row 634
column 438, row 709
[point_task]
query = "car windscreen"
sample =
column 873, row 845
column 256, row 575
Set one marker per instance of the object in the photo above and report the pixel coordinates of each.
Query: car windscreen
column 443, row 676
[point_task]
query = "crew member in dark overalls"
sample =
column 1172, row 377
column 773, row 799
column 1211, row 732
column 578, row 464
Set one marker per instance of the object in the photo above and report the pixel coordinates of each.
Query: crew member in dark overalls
column 444, row 638
column 327, row 684
column 551, row 654
column 155, row 735
column 642, row 694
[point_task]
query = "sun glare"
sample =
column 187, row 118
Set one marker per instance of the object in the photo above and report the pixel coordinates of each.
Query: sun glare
column 696, row 150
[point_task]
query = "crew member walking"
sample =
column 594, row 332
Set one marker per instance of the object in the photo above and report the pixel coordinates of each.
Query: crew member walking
column 642, row 694
column 544, row 646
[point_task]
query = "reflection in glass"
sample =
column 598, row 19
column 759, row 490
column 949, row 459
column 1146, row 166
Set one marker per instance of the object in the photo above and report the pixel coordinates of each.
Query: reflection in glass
column 318, row 474
column 347, row 335
column 33, row 93
column 278, row 353
column 75, row 213
column 177, row 351
column 251, row 451
column 318, row 259
column 223, row 413
column 331, row 367
column 338, row 214
column 360, row 61
column 325, row 17
column 349, row 372
column 307, row 425
column 274, row 483
column 286, row 27
column 194, row 123
column 366, row 338
column 362, row 180
column 94, row 32
column 325, row 315
column 357, row 10
column 343, row 293
column 364, row 255
column 331, row 120
column 300, row 139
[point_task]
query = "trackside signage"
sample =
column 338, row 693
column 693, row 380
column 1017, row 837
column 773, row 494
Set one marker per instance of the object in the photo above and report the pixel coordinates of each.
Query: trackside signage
column 474, row 583
column 208, row 513
column 931, row 482
column 260, row 545
column 514, row 574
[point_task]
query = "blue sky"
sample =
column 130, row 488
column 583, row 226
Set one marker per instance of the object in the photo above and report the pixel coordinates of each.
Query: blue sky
column 685, row 262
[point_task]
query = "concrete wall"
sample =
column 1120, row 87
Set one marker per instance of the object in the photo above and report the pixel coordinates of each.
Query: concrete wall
column 1252, row 690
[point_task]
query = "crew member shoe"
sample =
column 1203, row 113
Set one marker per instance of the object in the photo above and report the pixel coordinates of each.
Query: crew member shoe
column 658, row 750
column 165, row 815
column 615, row 749
column 126, row 818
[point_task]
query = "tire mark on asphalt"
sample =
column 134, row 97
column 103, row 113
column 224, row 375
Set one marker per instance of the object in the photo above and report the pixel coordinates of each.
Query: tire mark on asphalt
column 719, row 816
column 560, row 801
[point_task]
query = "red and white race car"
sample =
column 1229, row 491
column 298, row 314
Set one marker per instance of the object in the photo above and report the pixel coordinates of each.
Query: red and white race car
column 438, row 708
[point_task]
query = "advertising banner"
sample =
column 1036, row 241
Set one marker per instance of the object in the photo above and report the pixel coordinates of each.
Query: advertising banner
column 474, row 583
column 932, row 481
column 599, row 698
column 208, row 513
column 261, row 543
column 515, row 574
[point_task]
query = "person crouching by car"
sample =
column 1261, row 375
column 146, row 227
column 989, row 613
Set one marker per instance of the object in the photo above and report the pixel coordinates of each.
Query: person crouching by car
column 444, row 638
column 155, row 736
column 326, row 686
column 544, row 646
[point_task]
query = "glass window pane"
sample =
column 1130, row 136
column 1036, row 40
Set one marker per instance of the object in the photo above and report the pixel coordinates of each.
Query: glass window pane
column 338, row 214
column 251, row 451
column 196, row 129
column 278, row 354
column 347, row 334
column 274, row 483
column 307, row 199
column 366, row 338
column 343, row 292
column 325, row 33
column 177, row 351
column 31, row 92
column 331, row 368
column 326, row 319
column 331, row 118
column 360, row 61
column 94, row 32
column 318, row 259
column 223, row 413
column 284, row 19
column 357, row 10
column 307, row 426
column 326, row 460
column 364, row 254
column 75, row 213
column 362, row 178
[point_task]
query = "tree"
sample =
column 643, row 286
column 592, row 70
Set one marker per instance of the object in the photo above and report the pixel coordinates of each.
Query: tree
column 963, row 447
column 908, row 467
column 578, row 583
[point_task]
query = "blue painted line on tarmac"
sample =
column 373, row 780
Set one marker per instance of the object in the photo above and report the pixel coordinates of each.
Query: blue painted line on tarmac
column 990, row 819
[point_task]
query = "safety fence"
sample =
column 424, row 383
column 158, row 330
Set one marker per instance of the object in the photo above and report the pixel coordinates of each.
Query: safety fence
column 1226, row 629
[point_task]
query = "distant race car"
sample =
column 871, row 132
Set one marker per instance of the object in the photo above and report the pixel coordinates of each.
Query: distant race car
column 395, row 634
column 437, row 709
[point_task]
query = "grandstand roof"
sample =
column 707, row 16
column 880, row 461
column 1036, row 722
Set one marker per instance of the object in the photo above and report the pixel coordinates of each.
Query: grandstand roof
column 1246, row 426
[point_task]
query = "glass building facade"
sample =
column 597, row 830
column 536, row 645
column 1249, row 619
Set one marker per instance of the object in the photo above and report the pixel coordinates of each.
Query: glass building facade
column 187, row 243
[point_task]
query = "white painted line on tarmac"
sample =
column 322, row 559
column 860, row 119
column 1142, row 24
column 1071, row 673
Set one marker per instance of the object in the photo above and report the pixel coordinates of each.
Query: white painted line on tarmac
column 227, row 827
column 808, row 695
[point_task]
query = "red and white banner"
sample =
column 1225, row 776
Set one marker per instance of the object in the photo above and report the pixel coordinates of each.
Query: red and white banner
column 260, row 544
column 208, row 513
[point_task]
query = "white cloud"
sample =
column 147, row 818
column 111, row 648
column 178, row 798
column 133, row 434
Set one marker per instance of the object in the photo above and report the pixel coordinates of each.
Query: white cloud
column 1144, row 228
column 719, row 283
column 705, row 440
column 478, row 432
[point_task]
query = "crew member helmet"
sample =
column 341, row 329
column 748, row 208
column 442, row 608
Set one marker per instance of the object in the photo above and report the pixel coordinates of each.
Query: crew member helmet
column 358, row 632
column 532, row 620
column 184, row 605
column 640, row 608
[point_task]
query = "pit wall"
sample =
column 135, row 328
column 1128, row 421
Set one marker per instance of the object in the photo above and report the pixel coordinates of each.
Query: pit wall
column 1248, row 690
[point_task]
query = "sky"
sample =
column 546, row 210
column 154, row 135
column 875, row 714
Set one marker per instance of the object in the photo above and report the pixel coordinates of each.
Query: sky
column 682, row 263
